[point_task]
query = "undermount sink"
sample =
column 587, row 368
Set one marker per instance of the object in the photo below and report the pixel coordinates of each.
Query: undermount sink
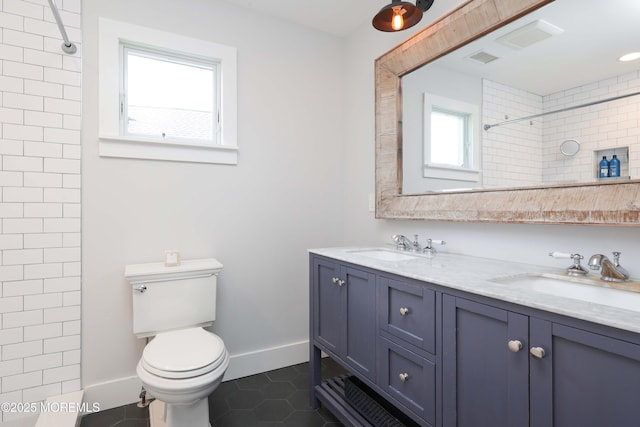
column 384, row 254
column 584, row 289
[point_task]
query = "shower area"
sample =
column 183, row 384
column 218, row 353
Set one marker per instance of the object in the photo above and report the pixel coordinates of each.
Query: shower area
column 40, row 249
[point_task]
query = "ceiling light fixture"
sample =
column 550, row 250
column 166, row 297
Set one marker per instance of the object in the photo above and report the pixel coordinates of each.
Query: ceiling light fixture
column 400, row 15
column 629, row 57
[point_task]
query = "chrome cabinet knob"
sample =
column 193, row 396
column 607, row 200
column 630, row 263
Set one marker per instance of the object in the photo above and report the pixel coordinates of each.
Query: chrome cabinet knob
column 335, row 280
column 404, row 311
column 515, row 345
column 341, row 283
column 537, row 352
column 141, row 288
column 403, row 377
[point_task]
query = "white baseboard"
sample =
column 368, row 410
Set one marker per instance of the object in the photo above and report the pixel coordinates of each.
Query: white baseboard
column 114, row 393
column 124, row 391
column 268, row 359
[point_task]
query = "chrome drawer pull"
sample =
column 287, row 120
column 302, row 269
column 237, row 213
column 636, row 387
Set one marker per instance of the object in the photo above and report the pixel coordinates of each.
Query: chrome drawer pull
column 403, row 377
column 404, row 311
column 515, row 345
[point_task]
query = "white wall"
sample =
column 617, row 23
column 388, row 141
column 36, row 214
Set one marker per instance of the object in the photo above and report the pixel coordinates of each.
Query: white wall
column 39, row 204
column 258, row 218
column 523, row 243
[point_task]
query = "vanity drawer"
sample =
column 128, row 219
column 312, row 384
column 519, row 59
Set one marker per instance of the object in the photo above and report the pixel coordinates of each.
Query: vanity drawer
column 408, row 378
column 407, row 311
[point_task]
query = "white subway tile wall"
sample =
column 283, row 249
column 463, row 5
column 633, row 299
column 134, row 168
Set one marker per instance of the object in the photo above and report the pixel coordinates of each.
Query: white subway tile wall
column 40, row 107
column 513, row 155
column 608, row 128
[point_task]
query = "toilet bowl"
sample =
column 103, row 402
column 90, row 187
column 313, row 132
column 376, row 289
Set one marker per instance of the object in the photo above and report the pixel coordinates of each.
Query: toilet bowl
column 183, row 363
column 182, row 368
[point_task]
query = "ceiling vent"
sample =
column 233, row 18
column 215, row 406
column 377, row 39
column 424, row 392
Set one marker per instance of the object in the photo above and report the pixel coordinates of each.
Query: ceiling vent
column 529, row 34
column 482, row 56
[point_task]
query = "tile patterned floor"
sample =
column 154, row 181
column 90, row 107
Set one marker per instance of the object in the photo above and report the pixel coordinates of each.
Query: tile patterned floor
column 274, row 398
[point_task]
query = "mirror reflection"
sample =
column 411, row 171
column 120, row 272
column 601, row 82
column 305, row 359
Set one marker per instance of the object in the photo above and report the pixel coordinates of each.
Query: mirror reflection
column 539, row 102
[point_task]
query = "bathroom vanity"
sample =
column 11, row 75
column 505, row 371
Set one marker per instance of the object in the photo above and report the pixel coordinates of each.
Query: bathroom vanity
column 454, row 340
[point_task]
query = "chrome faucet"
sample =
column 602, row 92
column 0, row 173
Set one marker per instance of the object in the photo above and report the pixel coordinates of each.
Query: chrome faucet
column 429, row 249
column 610, row 271
column 575, row 269
column 404, row 244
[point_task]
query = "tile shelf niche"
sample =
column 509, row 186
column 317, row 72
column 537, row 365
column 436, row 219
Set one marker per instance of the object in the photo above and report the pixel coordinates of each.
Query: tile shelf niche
column 623, row 155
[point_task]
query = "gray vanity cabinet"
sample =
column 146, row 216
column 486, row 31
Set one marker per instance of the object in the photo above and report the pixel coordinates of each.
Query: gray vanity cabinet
column 343, row 307
column 505, row 369
column 484, row 383
column 447, row 358
column 585, row 379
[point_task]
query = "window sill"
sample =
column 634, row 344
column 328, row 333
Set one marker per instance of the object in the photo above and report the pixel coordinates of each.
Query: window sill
column 451, row 172
column 149, row 149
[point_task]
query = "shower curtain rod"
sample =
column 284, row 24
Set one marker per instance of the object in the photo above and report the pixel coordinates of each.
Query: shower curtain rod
column 67, row 46
column 562, row 110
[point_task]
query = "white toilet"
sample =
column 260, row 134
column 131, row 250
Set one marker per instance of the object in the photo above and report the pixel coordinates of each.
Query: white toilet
column 183, row 363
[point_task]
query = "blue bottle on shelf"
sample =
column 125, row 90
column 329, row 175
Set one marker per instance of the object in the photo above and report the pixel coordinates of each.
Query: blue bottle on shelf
column 604, row 167
column 614, row 166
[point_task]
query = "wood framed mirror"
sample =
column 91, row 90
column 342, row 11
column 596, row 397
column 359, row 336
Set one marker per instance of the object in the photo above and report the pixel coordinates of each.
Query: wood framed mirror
column 597, row 203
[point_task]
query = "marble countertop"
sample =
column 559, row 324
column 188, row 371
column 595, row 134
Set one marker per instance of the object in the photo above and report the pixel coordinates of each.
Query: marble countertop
column 477, row 275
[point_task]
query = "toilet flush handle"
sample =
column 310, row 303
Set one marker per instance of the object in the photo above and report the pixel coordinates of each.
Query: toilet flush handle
column 141, row 288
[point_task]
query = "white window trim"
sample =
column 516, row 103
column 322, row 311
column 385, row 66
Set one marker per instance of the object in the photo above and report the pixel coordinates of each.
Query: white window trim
column 113, row 144
column 441, row 171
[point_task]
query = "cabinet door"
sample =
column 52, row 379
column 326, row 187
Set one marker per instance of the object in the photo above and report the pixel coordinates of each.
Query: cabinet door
column 485, row 384
column 328, row 306
column 584, row 379
column 360, row 324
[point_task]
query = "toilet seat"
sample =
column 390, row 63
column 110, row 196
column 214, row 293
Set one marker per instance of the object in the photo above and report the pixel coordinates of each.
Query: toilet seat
column 183, row 353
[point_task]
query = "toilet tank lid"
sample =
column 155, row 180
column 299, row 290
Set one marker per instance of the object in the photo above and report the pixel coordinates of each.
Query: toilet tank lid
column 207, row 265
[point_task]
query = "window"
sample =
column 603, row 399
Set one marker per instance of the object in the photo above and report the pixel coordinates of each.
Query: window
column 450, row 138
column 164, row 96
column 171, row 97
column 451, row 128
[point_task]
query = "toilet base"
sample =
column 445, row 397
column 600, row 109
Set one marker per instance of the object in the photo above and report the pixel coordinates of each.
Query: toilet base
column 163, row 415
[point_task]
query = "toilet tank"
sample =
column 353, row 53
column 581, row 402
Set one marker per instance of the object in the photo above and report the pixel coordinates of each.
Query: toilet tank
column 167, row 298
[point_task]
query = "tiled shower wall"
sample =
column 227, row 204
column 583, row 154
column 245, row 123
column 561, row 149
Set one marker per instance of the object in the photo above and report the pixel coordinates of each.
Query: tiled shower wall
column 511, row 154
column 514, row 154
column 599, row 129
column 40, row 115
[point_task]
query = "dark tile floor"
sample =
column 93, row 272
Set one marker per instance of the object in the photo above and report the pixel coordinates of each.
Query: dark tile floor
column 274, row 398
